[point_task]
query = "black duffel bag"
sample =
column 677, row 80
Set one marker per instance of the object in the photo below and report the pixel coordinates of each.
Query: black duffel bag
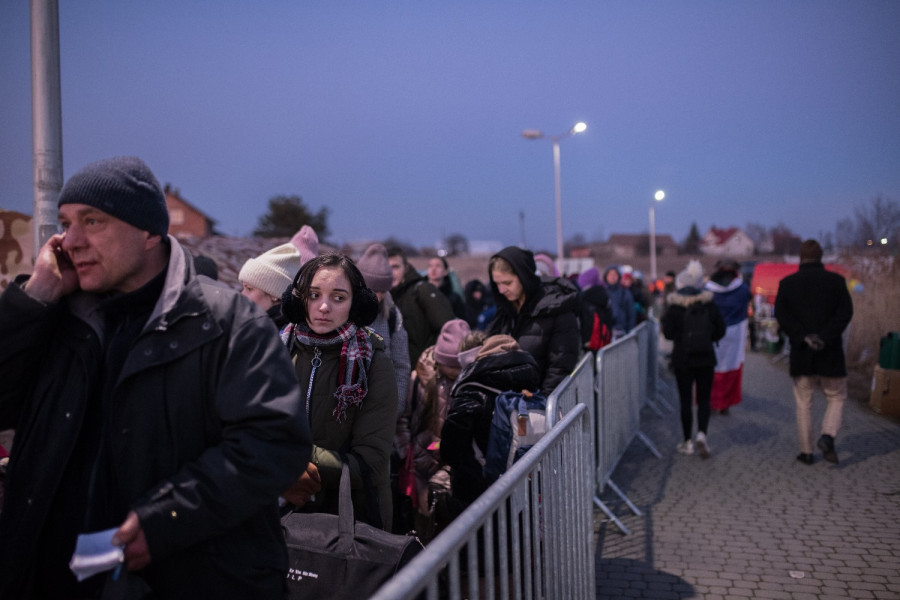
column 335, row 556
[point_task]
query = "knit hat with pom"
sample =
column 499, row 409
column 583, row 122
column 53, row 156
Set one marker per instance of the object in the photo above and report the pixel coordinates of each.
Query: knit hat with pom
column 446, row 350
column 307, row 243
column 272, row 271
column 692, row 276
column 123, row 187
column 375, row 268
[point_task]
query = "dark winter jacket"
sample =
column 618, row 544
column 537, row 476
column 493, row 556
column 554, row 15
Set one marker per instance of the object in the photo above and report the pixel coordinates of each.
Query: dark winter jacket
column 621, row 303
column 367, row 434
column 814, row 301
column 456, row 302
column 594, row 300
column 673, row 326
column 206, row 430
column 547, row 325
column 471, row 410
column 424, row 308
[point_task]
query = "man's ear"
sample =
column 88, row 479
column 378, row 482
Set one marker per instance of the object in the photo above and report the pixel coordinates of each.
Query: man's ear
column 151, row 240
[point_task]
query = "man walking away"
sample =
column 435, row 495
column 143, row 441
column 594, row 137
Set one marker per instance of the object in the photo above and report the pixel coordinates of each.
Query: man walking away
column 813, row 307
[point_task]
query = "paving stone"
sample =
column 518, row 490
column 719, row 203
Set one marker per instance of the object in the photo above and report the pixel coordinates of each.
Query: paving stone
column 752, row 522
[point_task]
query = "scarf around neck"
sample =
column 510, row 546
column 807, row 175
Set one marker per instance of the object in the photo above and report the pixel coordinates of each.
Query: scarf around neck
column 356, row 358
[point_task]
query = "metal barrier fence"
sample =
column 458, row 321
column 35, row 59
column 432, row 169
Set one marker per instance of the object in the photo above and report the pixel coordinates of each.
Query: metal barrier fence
column 620, row 392
column 534, row 524
column 529, row 535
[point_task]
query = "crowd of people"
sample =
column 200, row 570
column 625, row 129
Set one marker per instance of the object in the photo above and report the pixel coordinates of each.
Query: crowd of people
column 184, row 417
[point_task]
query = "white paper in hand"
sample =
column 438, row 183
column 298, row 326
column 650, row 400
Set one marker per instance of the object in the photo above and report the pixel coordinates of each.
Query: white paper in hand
column 95, row 553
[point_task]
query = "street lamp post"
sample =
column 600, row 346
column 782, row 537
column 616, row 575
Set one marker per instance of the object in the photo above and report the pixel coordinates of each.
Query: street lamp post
column 657, row 197
column 533, row 134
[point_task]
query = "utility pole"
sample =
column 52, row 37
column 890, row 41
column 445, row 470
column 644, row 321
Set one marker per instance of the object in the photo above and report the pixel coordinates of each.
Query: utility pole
column 46, row 118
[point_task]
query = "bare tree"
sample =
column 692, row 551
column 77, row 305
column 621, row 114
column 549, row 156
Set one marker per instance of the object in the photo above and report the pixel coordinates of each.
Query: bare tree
column 784, row 240
column 456, row 244
column 878, row 220
column 845, row 233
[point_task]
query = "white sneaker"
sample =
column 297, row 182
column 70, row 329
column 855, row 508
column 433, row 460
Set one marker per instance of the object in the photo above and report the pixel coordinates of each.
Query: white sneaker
column 685, row 447
column 702, row 446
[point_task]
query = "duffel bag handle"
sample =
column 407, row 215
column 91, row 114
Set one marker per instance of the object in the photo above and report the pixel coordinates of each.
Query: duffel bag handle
column 346, row 521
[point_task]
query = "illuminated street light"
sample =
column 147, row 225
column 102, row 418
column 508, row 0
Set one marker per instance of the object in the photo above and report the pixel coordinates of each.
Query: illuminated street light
column 658, row 197
column 534, row 134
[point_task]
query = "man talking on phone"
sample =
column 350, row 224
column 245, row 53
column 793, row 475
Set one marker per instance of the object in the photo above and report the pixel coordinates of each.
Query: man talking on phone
column 146, row 401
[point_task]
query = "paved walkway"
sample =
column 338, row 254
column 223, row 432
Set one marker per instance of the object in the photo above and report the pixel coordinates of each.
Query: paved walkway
column 751, row 521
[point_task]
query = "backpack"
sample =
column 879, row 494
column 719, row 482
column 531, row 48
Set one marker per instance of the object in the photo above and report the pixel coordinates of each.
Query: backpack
column 697, row 330
column 519, row 421
column 600, row 334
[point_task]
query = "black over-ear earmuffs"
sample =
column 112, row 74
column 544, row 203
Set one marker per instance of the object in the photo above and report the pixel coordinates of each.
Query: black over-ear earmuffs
column 363, row 309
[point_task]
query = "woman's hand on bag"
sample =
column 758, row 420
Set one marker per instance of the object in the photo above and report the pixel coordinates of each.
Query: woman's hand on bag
column 301, row 490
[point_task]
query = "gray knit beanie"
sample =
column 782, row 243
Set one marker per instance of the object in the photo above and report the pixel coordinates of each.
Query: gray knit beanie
column 123, row 187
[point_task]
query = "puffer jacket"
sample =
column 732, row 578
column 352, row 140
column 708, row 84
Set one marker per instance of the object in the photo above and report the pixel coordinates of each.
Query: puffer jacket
column 673, row 326
column 207, row 430
column 815, row 301
column 547, row 325
column 469, row 418
column 420, row 423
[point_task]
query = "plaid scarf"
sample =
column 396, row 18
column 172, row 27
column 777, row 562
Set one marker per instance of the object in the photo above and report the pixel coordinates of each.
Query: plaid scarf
column 356, row 357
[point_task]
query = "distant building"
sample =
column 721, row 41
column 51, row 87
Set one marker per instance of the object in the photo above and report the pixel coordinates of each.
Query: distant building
column 186, row 220
column 726, row 242
column 627, row 245
column 16, row 246
column 484, row 247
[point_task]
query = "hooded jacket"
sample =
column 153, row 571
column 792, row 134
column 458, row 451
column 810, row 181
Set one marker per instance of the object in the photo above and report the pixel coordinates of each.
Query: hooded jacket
column 621, row 303
column 673, row 326
column 547, row 325
column 206, row 430
column 814, row 301
column 471, row 410
column 424, row 308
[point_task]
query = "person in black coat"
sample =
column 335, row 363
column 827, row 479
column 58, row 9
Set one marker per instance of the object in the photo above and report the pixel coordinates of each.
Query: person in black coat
column 693, row 368
column 813, row 307
column 541, row 314
column 148, row 402
column 499, row 365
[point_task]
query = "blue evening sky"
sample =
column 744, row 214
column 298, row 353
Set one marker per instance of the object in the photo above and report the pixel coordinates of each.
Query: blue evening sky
column 404, row 118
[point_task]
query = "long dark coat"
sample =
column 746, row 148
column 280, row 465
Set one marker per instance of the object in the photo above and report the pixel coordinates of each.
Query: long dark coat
column 814, row 301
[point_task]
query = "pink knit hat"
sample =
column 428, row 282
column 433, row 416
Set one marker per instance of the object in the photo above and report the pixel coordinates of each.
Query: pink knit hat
column 375, row 268
column 307, row 242
column 446, row 351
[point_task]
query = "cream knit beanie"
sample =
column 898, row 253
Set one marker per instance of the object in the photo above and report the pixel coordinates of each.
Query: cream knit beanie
column 272, row 271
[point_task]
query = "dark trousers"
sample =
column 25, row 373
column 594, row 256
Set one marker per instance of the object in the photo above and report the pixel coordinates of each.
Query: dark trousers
column 686, row 379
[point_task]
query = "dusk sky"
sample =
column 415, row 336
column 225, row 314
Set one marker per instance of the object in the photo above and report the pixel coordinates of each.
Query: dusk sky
column 405, row 118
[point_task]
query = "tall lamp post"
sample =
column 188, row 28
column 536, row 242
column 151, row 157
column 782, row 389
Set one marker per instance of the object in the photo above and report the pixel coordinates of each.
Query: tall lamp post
column 657, row 197
column 534, row 134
